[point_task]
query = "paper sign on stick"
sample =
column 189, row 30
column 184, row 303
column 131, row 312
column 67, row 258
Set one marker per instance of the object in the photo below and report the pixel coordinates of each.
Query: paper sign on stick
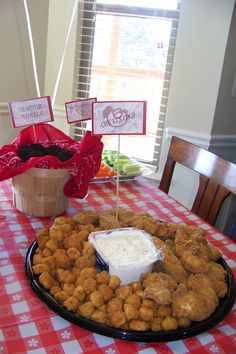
column 119, row 117
column 79, row 110
column 32, row 111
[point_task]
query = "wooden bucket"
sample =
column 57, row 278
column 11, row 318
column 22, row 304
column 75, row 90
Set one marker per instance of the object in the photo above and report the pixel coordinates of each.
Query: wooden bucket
column 39, row 191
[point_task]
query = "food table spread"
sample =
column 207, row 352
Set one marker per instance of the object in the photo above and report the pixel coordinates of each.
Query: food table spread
column 27, row 323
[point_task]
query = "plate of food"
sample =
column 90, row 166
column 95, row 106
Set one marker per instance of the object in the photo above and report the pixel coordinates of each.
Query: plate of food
column 128, row 167
column 174, row 300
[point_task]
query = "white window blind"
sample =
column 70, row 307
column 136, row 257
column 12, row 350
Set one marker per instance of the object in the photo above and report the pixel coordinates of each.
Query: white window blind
column 125, row 51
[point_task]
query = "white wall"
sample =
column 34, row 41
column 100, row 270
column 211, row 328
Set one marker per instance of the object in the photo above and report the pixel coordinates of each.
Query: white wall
column 198, row 62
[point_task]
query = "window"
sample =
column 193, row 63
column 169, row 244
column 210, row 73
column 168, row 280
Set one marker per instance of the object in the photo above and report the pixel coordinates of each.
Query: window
column 125, row 52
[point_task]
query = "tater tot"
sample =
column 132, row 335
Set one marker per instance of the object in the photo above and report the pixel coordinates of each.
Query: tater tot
column 79, row 293
column 96, row 298
column 40, row 268
column 88, row 272
column 123, row 291
column 71, row 303
column 133, row 300
column 83, row 235
column 54, row 289
column 183, row 322
column 131, row 312
column 114, row 304
column 61, row 296
column 52, row 245
column 89, row 285
column 149, row 303
column 82, row 262
column 92, row 261
column 56, row 234
column 118, row 319
column 87, row 249
column 146, row 313
column 62, row 259
column 139, row 325
column 46, row 252
column 99, row 316
column 114, row 282
column 50, row 262
column 169, row 324
column 67, row 277
column 103, row 277
column 164, row 311
column 72, row 241
column 69, row 288
column 106, row 291
column 137, row 285
column 86, row 309
column 156, row 324
column 37, row 259
column 46, row 280
column 73, row 253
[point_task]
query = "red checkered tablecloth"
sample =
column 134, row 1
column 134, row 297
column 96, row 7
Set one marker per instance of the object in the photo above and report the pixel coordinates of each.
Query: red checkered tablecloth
column 26, row 323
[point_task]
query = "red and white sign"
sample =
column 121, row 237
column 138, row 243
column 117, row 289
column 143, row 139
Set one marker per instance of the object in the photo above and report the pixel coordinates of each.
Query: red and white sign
column 79, row 110
column 32, row 111
column 119, row 117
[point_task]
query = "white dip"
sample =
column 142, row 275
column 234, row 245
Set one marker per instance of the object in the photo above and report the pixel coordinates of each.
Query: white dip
column 126, row 246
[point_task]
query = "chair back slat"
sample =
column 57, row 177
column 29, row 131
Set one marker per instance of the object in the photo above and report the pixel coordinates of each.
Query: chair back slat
column 217, row 177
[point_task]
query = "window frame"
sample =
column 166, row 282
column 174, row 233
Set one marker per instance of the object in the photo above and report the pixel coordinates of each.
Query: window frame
column 89, row 11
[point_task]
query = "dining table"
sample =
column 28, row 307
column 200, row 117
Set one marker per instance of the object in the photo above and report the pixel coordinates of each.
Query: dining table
column 28, row 325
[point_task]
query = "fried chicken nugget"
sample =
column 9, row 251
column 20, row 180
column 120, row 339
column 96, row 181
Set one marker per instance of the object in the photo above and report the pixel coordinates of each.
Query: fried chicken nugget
column 213, row 252
column 189, row 304
column 107, row 222
column 88, row 272
column 86, row 217
column 217, row 275
column 159, row 287
column 203, row 285
column 172, row 266
column 139, row 325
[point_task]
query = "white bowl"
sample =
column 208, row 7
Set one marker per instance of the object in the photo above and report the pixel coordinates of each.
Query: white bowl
column 125, row 252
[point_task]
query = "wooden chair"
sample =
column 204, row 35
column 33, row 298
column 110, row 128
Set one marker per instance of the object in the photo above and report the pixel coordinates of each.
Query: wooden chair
column 217, row 177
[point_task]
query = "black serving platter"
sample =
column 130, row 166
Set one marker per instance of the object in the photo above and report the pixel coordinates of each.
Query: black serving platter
column 222, row 310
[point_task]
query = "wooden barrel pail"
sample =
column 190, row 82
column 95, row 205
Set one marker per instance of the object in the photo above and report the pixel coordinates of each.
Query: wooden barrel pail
column 39, row 192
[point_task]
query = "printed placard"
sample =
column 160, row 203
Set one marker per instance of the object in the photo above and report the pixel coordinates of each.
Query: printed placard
column 32, row 111
column 79, row 110
column 119, row 117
